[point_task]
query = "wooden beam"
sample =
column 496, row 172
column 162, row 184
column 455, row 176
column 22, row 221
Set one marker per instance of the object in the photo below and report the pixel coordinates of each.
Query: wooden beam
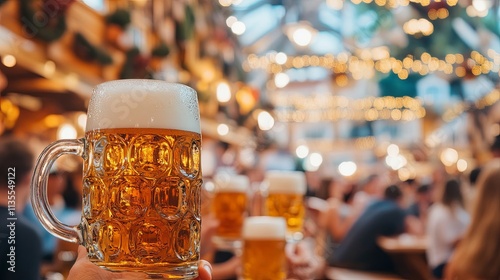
column 36, row 85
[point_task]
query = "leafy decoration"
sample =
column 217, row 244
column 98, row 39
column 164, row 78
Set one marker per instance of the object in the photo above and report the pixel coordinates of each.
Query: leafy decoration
column 45, row 20
column 119, row 17
column 87, row 51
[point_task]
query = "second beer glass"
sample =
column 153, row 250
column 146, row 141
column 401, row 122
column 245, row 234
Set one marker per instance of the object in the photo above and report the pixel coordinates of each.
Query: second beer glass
column 284, row 197
column 230, row 209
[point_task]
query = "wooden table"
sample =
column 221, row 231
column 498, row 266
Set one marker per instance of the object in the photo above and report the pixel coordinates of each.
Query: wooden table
column 337, row 273
column 408, row 254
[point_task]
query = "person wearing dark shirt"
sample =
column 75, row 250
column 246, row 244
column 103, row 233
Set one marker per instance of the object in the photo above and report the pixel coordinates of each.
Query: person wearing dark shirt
column 20, row 245
column 359, row 249
column 422, row 202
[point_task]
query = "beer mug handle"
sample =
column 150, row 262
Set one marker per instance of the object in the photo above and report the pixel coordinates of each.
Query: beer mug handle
column 39, row 198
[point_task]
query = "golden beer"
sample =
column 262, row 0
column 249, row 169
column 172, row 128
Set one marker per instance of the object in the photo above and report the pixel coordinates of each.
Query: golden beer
column 230, row 205
column 142, row 179
column 141, row 198
column 289, row 206
column 285, row 192
column 264, row 248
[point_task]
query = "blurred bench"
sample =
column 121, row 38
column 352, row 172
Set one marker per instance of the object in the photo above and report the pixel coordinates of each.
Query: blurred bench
column 337, row 273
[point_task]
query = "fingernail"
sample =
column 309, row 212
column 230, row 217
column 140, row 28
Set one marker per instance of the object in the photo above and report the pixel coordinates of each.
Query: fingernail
column 208, row 268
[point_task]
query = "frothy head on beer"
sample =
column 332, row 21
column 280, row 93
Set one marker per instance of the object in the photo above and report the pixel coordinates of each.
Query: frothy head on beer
column 291, row 182
column 143, row 104
column 231, row 183
column 264, row 227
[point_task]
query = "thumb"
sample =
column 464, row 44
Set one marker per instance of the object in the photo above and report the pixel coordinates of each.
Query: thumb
column 82, row 253
column 204, row 270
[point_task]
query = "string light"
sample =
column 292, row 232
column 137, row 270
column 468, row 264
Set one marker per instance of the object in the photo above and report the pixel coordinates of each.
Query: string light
column 9, row 61
column 338, row 4
column 347, row 168
column 299, row 108
column 265, row 121
column 222, row 129
column 223, row 92
column 238, row 28
column 418, row 27
column 302, row 151
column 367, row 63
column 435, row 14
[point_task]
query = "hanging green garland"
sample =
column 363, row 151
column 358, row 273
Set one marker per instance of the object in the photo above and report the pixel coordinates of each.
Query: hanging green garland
column 185, row 30
column 88, row 52
column 119, row 17
column 135, row 66
column 45, row 20
column 161, row 51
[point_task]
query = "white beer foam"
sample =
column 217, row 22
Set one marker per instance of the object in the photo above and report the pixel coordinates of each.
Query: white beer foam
column 290, row 182
column 231, row 183
column 264, row 227
column 143, row 104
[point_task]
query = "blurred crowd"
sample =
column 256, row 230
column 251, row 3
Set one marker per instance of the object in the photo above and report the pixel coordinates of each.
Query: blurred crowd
column 344, row 218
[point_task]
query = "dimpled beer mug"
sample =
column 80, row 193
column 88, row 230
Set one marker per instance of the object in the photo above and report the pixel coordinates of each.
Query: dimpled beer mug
column 285, row 198
column 264, row 241
column 230, row 208
column 142, row 179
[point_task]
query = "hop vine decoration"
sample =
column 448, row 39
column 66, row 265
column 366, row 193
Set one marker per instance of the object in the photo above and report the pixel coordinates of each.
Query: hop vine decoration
column 117, row 21
column 161, row 51
column 87, row 51
column 185, row 29
column 135, row 66
column 45, row 20
column 119, row 17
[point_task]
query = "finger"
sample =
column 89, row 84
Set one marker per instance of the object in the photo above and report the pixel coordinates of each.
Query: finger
column 204, row 270
column 82, row 253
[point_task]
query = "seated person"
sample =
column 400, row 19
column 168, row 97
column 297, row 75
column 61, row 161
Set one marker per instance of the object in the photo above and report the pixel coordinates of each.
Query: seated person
column 20, row 257
column 446, row 225
column 55, row 186
column 423, row 200
column 359, row 249
column 478, row 254
column 419, row 209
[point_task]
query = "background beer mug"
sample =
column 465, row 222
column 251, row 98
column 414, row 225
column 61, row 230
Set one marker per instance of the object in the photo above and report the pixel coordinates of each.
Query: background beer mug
column 264, row 241
column 284, row 197
column 142, row 179
column 230, row 208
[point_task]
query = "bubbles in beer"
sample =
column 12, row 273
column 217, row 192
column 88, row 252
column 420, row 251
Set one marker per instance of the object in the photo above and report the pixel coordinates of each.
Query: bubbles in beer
column 94, row 196
column 150, row 154
column 168, row 197
column 142, row 202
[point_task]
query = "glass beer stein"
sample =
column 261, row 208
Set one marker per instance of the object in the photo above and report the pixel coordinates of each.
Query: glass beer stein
column 141, row 179
column 264, row 241
column 230, row 208
column 284, row 197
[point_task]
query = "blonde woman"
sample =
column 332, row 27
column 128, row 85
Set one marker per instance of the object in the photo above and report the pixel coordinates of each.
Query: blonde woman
column 478, row 254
